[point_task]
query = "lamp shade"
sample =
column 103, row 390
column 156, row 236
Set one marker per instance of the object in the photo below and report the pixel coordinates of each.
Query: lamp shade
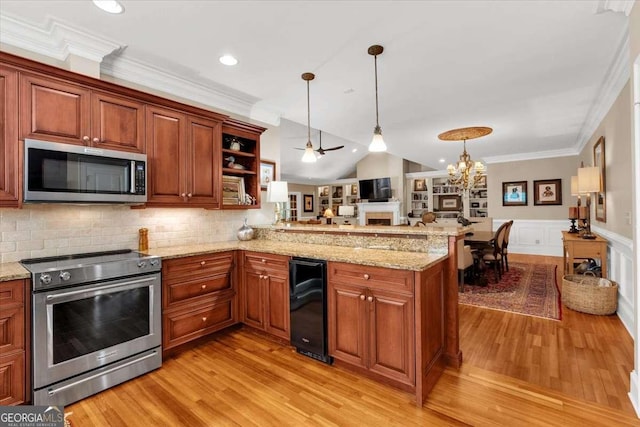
column 589, row 180
column 346, row 210
column 574, row 186
column 277, row 191
column 328, row 213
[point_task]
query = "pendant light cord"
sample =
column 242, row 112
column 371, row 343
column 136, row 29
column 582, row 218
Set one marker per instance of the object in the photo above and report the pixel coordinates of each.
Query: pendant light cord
column 375, row 67
column 308, row 115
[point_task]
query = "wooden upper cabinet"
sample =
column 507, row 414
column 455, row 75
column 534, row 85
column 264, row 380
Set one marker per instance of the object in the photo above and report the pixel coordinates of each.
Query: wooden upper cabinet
column 10, row 195
column 183, row 153
column 72, row 114
column 54, row 110
column 117, row 123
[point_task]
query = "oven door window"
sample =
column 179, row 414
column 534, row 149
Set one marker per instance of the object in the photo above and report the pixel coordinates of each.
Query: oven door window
column 98, row 322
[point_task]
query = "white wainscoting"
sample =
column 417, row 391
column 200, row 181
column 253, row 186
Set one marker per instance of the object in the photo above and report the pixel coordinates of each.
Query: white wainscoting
column 535, row 237
column 620, row 267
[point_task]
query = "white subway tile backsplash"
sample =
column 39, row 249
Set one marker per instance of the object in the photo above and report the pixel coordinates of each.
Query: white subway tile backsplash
column 51, row 229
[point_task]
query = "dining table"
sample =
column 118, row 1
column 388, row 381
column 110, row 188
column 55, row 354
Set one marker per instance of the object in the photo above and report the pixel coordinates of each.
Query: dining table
column 479, row 238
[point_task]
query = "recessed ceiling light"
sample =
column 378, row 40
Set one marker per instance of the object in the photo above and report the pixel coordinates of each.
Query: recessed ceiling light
column 228, row 60
column 111, row 6
column 354, row 150
column 442, row 160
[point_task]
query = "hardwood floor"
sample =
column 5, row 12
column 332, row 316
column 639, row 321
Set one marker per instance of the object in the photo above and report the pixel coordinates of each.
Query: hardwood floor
column 517, row 370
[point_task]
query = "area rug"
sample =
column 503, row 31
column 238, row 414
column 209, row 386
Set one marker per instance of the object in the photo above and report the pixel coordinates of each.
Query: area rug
column 526, row 289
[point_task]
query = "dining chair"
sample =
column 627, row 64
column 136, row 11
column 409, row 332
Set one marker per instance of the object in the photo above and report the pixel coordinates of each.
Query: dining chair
column 505, row 244
column 465, row 262
column 493, row 256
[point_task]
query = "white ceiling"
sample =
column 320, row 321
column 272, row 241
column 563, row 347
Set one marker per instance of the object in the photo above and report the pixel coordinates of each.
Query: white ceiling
column 531, row 70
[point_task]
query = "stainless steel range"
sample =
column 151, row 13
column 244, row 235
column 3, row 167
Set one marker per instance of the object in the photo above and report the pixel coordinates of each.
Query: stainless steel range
column 96, row 322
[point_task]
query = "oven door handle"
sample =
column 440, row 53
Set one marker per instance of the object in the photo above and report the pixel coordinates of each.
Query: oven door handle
column 84, row 291
column 53, row 391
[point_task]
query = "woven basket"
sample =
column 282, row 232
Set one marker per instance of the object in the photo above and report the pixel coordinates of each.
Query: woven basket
column 583, row 293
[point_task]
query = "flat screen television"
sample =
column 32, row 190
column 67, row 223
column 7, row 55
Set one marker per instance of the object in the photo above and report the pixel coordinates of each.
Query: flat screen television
column 375, row 190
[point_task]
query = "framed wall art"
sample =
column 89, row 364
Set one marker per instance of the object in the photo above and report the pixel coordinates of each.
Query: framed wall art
column 600, row 197
column 308, row 202
column 547, row 192
column 420, row 185
column 449, row 203
column 514, row 193
column 267, row 173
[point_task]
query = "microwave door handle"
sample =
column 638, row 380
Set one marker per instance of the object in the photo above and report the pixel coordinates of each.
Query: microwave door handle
column 132, row 182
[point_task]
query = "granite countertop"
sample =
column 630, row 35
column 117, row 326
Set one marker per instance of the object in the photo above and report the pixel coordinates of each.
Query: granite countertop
column 428, row 229
column 415, row 261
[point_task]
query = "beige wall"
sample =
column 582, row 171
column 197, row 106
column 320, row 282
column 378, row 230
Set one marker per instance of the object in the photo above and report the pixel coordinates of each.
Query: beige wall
column 616, row 129
column 530, row 170
column 380, row 165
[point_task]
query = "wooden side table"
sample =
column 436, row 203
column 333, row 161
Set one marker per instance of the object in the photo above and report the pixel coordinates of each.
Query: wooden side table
column 577, row 248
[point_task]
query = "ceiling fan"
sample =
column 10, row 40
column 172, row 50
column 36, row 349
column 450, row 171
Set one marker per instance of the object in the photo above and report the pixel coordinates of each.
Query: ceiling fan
column 321, row 150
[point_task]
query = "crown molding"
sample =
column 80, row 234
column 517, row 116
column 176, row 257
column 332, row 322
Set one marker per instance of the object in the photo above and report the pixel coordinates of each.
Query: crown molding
column 623, row 6
column 211, row 94
column 616, row 77
column 56, row 40
column 550, row 154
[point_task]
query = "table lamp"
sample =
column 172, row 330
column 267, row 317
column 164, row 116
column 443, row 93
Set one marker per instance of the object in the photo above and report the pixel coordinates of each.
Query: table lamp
column 277, row 192
column 328, row 214
column 588, row 182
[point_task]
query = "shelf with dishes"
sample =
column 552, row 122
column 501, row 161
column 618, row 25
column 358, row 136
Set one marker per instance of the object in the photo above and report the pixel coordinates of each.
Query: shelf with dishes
column 240, row 165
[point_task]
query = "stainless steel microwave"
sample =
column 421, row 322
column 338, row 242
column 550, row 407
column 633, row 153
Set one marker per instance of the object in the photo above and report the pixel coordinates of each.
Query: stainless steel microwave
column 63, row 173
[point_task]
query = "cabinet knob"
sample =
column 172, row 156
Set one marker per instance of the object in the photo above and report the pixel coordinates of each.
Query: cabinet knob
column 203, row 286
column 183, row 195
column 86, row 138
column 96, row 140
column 366, row 277
column 189, row 195
column 370, row 299
column 204, row 319
column 362, row 297
column 264, row 260
column 203, row 262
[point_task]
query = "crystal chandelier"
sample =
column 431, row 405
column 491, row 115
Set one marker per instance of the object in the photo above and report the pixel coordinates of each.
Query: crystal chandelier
column 466, row 173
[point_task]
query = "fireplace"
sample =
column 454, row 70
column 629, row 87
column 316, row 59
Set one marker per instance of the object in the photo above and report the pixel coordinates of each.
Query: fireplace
column 379, row 213
column 378, row 218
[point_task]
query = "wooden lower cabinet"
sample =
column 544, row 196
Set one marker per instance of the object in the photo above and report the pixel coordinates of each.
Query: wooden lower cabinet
column 389, row 324
column 13, row 339
column 369, row 326
column 199, row 296
column 265, row 293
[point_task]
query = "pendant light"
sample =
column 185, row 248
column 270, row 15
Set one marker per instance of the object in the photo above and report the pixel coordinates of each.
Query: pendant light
column 377, row 143
column 309, row 156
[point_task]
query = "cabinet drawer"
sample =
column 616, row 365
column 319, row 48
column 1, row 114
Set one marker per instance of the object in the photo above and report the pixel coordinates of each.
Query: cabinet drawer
column 371, row 277
column 11, row 329
column 588, row 251
column 199, row 265
column 182, row 326
column 260, row 262
column 12, row 293
column 192, row 290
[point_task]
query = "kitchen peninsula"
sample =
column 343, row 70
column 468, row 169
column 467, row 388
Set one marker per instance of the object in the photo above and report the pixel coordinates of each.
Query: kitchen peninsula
column 392, row 294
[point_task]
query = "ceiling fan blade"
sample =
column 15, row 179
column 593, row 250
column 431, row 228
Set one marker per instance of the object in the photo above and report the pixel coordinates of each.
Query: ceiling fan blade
column 296, row 148
column 333, row 148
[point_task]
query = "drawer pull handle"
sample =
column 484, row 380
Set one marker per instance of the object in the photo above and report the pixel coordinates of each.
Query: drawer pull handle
column 362, row 297
column 204, row 319
column 366, row 277
column 203, row 262
column 370, row 299
column 204, row 286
